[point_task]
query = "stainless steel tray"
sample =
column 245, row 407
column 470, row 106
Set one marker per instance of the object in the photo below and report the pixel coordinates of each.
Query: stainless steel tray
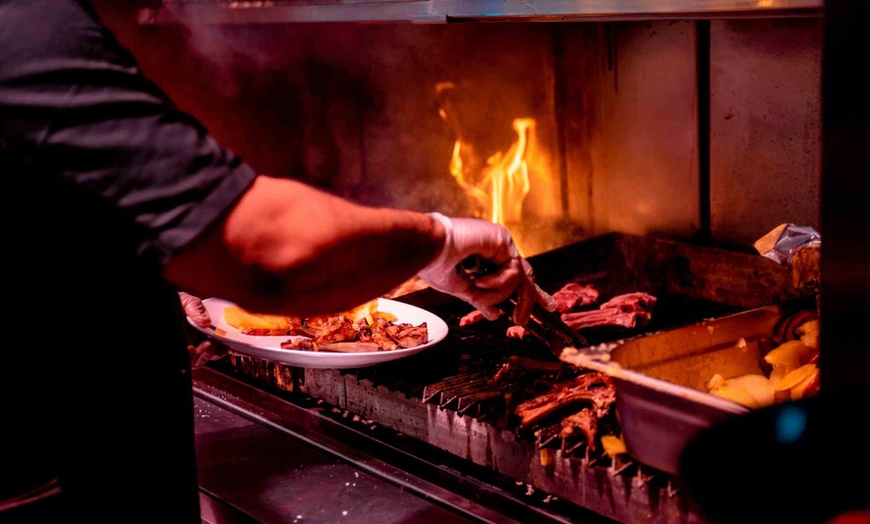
column 661, row 379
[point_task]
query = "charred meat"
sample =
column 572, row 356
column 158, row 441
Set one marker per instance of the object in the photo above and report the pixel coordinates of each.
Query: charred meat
column 328, row 330
column 517, row 367
column 404, row 335
column 305, row 344
column 339, row 333
column 585, row 421
column 594, row 389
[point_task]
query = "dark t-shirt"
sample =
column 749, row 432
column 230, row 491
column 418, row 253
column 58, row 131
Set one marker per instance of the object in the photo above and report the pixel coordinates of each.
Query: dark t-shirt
column 104, row 181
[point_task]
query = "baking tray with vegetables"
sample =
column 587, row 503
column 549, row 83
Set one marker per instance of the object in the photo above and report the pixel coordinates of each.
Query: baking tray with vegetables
column 673, row 384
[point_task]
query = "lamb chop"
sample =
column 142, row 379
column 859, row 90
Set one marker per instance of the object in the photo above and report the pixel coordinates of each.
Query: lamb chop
column 574, row 295
column 570, row 296
column 585, row 421
column 631, row 302
column 593, row 387
column 629, row 310
column 518, row 367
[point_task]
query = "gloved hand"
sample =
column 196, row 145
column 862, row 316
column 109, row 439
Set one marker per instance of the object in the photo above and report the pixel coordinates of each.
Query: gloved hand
column 465, row 237
column 206, row 350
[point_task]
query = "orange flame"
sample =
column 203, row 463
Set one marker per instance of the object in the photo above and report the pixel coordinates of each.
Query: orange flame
column 497, row 188
column 505, row 182
column 509, row 176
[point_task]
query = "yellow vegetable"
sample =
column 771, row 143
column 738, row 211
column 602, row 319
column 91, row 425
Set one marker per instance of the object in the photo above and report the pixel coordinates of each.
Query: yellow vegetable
column 736, row 394
column 796, row 377
column 368, row 311
column 715, row 382
column 384, row 315
column 797, row 391
column 793, row 373
column 362, row 311
column 546, row 456
column 613, row 445
column 241, row 320
column 792, row 354
column 758, row 386
column 779, row 371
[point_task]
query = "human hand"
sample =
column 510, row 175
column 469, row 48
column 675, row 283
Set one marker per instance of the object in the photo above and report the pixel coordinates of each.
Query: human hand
column 206, row 350
column 465, row 237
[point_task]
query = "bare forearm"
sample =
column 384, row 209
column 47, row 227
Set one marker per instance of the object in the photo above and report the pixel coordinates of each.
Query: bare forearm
column 289, row 248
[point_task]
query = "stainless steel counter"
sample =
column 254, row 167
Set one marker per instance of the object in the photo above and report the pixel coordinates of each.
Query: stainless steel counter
column 284, row 457
column 270, row 477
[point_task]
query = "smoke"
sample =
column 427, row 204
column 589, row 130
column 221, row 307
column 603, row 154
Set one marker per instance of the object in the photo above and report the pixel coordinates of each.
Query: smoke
column 228, row 52
column 353, row 108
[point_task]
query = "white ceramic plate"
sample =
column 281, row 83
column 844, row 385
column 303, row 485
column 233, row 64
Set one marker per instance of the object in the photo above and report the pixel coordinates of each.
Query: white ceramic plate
column 269, row 347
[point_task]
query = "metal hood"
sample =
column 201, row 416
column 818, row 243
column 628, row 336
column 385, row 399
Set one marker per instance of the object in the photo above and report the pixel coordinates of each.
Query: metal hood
column 444, row 11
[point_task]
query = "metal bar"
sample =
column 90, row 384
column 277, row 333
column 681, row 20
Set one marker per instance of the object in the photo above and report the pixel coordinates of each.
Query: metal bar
column 213, row 510
column 625, row 9
column 547, row 436
column 560, row 105
column 457, row 393
column 442, row 11
column 276, row 12
column 433, row 390
column 702, row 65
column 845, row 352
column 469, row 401
column 437, row 482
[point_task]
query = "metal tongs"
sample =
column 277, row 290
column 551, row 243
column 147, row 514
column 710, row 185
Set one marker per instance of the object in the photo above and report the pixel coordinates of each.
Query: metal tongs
column 546, row 326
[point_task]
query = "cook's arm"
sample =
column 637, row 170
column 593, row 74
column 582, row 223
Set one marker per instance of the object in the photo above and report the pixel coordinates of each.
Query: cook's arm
column 78, row 111
column 287, row 247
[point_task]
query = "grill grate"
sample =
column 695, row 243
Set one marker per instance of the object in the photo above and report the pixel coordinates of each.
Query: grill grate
column 449, row 395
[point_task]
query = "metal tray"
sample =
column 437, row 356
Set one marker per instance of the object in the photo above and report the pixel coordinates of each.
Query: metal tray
column 661, row 379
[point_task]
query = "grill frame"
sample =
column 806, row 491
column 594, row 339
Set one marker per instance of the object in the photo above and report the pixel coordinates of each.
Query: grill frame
column 692, row 283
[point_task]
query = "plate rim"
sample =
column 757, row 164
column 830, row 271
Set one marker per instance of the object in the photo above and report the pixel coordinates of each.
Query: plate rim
column 334, row 358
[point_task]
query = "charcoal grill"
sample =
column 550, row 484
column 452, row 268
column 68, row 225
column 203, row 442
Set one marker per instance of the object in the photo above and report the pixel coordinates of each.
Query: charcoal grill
column 447, row 397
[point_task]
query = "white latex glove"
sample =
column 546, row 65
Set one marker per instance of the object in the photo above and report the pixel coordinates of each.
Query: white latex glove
column 206, row 350
column 465, row 237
